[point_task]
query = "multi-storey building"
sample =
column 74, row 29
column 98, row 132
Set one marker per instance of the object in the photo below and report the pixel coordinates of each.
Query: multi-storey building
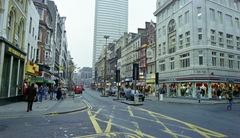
column 44, row 51
column 12, row 42
column 151, row 55
column 31, row 69
column 198, row 45
column 111, row 18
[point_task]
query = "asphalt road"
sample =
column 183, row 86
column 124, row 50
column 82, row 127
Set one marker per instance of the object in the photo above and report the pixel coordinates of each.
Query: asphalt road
column 106, row 117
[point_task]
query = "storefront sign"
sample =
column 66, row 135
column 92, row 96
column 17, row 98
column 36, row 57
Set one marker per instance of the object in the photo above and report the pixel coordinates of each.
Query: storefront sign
column 15, row 52
column 32, row 68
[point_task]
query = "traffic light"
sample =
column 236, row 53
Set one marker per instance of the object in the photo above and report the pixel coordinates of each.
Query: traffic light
column 135, row 71
column 117, row 76
column 157, row 78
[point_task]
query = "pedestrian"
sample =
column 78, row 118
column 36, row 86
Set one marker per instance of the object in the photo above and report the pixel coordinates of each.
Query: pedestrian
column 31, row 93
column 51, row 91
column 55, row 92
column 147, row 91
column 219, row 93
column 46, row 89
column 59, row 93
column 40, row 93
column 25, row 92
column 229, row 97
column 198, row 94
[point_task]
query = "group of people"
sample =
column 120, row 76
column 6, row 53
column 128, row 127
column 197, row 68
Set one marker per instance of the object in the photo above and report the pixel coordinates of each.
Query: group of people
column 34, row 93
column 228, row 96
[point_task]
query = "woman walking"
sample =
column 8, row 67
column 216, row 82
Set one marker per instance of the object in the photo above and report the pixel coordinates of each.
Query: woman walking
column 229, row 97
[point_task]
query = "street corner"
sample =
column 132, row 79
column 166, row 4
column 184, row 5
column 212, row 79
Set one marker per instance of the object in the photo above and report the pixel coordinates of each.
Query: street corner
column 132, row 103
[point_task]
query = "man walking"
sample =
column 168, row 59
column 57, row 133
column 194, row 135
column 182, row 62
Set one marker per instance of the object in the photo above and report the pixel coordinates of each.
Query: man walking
column 31, row 93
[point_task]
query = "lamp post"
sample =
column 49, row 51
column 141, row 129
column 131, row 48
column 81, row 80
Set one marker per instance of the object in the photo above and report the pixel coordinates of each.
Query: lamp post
column 105, row 65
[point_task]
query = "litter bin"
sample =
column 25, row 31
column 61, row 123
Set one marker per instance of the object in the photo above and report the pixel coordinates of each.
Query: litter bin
column 161, row 97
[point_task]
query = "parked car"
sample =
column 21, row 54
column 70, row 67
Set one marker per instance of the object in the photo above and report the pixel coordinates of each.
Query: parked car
column 130, row 95
column 108, row 91
column 123, row 91
column 114, row 91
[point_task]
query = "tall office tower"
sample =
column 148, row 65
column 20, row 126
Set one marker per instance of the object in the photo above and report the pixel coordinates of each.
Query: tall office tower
column 111, row 18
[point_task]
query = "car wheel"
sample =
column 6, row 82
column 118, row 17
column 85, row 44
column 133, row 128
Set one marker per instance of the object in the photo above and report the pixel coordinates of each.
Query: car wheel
column 126, row 98
column 142, row 99
column 132, row 98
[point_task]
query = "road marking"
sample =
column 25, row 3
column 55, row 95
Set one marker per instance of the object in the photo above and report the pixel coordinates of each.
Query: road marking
column 130, row 111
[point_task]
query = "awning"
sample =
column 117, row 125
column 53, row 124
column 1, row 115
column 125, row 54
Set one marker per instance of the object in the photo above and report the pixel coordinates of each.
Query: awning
column 48, row 81
column 39, row 79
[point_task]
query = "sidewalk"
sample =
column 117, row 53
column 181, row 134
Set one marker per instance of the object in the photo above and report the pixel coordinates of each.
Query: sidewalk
column 47, row 107
column 189, row 100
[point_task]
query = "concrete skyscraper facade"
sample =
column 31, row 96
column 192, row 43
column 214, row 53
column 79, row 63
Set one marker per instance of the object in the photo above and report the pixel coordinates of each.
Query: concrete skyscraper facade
column 111, row 18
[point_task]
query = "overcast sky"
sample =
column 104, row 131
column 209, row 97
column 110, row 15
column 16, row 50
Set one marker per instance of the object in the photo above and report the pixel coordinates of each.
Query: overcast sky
column 80, row 24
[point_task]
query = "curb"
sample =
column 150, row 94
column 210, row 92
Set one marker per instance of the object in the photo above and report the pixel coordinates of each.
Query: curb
column 65, row 112
column 138, row 104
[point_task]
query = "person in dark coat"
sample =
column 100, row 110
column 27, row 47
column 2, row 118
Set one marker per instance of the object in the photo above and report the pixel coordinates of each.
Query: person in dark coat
column 219, row 93
column 59, row 93
column 230, row 99
column 31, row 93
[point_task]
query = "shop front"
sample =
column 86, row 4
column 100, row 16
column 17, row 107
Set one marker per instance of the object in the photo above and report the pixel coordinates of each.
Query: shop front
column 187, row 86
column 31, row 71
column 11, row 71
column 44, row 78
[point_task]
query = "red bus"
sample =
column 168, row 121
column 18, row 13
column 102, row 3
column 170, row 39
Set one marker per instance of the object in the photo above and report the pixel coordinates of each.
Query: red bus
column 78, row 88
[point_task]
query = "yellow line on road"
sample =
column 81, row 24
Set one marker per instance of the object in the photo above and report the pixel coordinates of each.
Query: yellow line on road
column 94, row 122
column 202, row 131
column 130, row 111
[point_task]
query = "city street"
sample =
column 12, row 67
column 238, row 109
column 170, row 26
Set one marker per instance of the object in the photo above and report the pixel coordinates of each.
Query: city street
column 108, row 117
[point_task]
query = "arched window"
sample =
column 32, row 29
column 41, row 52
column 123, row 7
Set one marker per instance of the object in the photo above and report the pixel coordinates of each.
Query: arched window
column 171, row 37
column 171, row 26
column 20, row 34
column 10, row 27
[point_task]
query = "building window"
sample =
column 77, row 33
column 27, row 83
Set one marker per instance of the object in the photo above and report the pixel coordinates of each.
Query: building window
column 238, row 62
column 10, row 26
column 159, row 49
column 185, row 60
column 39, row 34
column 220, row 18
column 162, row 65
column 212, row 15
column 40, row 12
column 229, row 39
column 180, row 20
column 33, row 32
column 214, row 61
column 238, row 41
column 164, row 30
column 172, row 63
column 229, row 20
column 200, row 60
column 235, row 4
column 199, row 33
column 181, row 40
column 187, row 17
column 30, row 25
column 159, row 32
column 221, row 60
column 188, row 37
column 213, row 35
column 220, row 37
column 227, row 3
column 199, row 11
column 237, row 23
column 230, row 61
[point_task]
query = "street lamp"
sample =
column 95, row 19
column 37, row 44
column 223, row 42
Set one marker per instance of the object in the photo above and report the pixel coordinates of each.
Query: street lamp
column 105, row 65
